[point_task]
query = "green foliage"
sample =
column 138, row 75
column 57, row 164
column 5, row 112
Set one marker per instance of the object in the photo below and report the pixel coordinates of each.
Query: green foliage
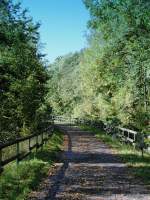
column 64, row 92
column 129, row 155
column 17, row 181
column 110, row 78
column 22, row 72
column 118, row 59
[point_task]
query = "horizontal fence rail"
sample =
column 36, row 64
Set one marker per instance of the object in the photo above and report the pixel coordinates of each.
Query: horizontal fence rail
column 20, row 148
column 127, row 135
column 62, row 120
column 123, row 134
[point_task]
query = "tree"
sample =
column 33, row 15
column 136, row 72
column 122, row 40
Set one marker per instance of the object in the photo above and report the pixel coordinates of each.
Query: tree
column 22, row 73
column 123, row 27
column 64, row 86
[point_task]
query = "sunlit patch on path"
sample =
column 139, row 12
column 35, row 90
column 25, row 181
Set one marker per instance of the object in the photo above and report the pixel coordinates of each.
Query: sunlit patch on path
column 90, row 170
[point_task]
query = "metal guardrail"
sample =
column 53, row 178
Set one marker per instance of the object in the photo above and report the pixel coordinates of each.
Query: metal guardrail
column 20, row 148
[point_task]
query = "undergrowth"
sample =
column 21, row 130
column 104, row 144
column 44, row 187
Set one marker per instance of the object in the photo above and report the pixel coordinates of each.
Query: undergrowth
column 129, row 155
column 17, row 181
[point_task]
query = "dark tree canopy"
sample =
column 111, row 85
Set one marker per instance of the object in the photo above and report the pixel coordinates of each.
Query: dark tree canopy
column 22, row 72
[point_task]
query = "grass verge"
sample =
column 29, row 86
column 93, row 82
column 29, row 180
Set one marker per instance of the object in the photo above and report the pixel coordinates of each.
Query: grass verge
column 17, row 181
column 132, row 157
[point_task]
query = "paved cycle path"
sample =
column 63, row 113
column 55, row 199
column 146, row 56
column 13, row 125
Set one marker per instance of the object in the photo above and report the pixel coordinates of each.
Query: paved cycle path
column 90, row 170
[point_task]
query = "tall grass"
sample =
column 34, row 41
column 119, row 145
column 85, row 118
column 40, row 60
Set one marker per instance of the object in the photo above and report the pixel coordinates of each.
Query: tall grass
column 17, row 181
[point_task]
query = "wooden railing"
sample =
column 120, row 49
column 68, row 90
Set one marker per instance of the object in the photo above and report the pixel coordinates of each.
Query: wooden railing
column 63, row 120
column 127, row 135
column 22, row 147
column 123, row 134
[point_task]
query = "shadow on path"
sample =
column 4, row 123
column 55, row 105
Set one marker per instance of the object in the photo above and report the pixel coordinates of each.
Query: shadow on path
column 61, row 174
column 91, row 171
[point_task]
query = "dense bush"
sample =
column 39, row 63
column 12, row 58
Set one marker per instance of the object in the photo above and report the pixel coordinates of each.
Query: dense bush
column 22, row 72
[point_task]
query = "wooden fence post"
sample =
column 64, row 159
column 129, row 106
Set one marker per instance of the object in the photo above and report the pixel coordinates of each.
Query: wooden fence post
column 36, row 143
column 42, row 141
column 46, row 136
column 17, row 151
column 29, row 144
column 30, row 147
column 1, row 168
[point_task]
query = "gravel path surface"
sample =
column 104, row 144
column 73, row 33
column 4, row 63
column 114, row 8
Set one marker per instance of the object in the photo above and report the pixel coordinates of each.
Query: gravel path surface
column 90, row 170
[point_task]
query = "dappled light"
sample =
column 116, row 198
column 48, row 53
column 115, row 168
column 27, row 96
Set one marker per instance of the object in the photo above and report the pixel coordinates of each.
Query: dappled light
column 75, row 100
